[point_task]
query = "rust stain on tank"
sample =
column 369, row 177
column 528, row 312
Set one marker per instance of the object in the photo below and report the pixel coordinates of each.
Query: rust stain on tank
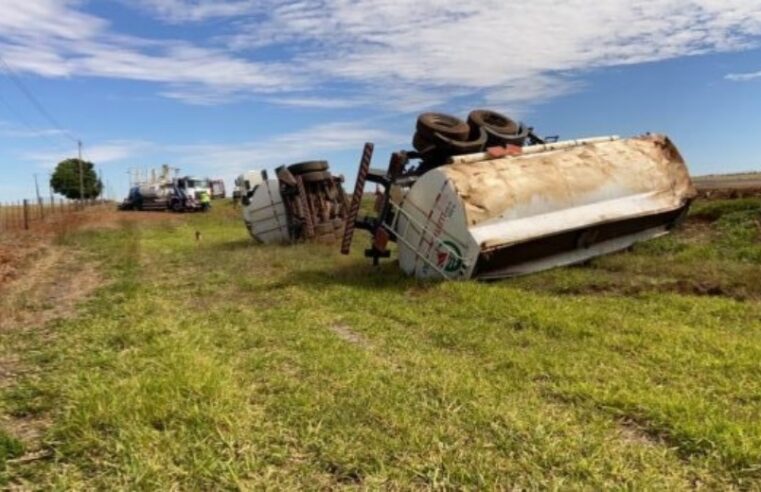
column 517, row 186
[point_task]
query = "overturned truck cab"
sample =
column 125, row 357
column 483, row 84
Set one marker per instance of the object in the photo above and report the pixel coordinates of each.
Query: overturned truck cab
column 305, row 203
column 515, row 210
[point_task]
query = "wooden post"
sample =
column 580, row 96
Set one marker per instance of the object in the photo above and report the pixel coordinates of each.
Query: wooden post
column 26, row 214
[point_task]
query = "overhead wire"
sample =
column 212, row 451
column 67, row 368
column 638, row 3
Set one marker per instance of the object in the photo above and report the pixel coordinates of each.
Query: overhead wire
column 11, row 75
column 29, row 127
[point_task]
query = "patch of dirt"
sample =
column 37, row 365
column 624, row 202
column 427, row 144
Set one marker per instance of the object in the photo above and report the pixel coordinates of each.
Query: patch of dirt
column 697, row 230
column 112, row 220
column 632, row 432
column 47, row 289
column 30, row 430
column 13, row 253
column 346, row 334
column 636, row 286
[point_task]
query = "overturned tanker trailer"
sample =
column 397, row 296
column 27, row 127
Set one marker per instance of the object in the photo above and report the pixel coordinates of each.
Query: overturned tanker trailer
column 305, row 202
column 516, row 210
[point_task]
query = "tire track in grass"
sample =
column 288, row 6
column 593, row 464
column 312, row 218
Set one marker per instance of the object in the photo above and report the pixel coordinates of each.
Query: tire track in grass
column 51, row 289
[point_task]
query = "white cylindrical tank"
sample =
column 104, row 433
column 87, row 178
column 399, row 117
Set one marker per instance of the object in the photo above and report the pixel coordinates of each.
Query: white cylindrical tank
column 493, row 217
column 152, row 190
column 264, row 213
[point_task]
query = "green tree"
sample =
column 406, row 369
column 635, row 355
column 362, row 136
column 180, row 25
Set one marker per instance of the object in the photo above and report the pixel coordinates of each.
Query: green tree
column 65, row 179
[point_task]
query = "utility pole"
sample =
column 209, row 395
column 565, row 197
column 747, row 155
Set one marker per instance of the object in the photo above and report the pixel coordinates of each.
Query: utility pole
column 40, row 206
column 81, row 175
column 37, row 189
column 100, row 180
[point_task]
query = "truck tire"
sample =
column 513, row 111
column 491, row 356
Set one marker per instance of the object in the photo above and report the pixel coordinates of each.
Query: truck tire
column 308, row 167
column 316, row 176
column 429, row 124
column 518, row 138
column 442, row 147
column 491, row 120
column 453, row 146
column 422, row 144
column 285, row 176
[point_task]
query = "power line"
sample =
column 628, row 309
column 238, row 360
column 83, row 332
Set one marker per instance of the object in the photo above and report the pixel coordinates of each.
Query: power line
column 25, row 123
column 35, row 102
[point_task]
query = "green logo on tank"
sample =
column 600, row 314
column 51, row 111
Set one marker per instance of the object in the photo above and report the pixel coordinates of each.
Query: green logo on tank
column 449, row 257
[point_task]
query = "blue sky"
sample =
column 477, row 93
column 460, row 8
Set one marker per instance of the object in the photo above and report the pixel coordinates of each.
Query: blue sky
column 218, row 87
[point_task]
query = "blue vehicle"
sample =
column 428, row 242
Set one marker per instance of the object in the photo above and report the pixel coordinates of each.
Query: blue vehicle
column 173, row 196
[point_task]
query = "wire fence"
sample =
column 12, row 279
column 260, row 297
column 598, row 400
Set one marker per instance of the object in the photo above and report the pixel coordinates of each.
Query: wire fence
column 23, row 214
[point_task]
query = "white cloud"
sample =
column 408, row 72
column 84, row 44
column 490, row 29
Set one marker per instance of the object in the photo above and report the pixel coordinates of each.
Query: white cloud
column 53, row 39
column 392, row 54
column 101, row 153
column 177, row 11
column 283, row 149
column 510, row 49
column 227, row 160
column 8, row 129
column 743, row 77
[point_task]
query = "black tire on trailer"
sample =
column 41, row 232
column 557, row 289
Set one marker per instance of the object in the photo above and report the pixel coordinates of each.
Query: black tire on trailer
column 422, row 144
column 450, row 146
column 450, row 126
column 176, row 206
column 316, row 176
column 518, row 138
column 285, row 176
column 308, row 167
column 492, row 121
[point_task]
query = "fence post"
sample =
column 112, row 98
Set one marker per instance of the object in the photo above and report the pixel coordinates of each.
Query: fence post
column 26, row 214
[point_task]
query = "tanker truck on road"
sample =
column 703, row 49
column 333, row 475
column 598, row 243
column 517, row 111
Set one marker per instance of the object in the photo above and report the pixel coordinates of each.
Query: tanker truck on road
column 165, row 193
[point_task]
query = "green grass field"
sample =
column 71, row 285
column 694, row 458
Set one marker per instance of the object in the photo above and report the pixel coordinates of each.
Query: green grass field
column 223, row 364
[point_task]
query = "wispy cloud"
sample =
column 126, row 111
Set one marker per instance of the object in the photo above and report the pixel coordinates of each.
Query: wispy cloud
column 102, row 153
column 230, row 159
column 54, row 39
column 12, row 130
column 284, row 148
column 393, row 55
column 178, row 11
column 514, row 51
column 743, row 77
